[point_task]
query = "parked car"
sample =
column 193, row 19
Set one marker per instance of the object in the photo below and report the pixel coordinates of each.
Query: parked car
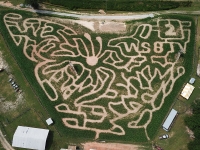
column 164, row 136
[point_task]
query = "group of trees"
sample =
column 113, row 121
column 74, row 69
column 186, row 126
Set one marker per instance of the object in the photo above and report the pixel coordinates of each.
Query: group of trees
column 120, row 5
column 33, row 3
column 117, row 5
column 193, row 122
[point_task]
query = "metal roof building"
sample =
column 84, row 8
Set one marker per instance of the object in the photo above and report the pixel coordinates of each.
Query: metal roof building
column 30, row 138
column 169, row 120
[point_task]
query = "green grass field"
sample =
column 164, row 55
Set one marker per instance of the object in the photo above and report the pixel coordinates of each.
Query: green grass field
column 35, row 95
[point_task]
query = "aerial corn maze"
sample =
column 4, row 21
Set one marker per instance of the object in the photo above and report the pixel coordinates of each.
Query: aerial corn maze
column 106, row 86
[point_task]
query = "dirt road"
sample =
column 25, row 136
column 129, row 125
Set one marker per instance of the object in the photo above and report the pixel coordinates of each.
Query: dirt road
column 4, row 142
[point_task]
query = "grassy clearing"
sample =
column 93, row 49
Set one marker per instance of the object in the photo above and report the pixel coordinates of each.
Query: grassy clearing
column 178, row 137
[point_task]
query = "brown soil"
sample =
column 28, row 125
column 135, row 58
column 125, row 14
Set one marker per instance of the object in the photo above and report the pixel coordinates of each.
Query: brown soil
column 110, row 146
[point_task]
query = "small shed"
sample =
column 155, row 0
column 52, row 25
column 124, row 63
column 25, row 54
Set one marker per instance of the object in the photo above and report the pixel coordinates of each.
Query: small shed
column 192, row 80
column 169, row 120
column 49, row 121
column 187, row 91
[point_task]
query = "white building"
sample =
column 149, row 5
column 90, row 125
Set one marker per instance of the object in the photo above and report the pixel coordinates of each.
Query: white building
column 30, row 138
column 49, row 121
column 169, row 120
column 187, row 91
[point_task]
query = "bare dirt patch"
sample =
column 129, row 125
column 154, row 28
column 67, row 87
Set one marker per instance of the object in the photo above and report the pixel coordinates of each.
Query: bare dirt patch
column 190, row 132
column 6, row 106
column 6, row 3
column 112, row 27
column 98, row 26
column 110, row 146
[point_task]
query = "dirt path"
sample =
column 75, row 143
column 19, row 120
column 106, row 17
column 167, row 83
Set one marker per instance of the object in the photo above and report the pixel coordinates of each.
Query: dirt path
column 4, row 142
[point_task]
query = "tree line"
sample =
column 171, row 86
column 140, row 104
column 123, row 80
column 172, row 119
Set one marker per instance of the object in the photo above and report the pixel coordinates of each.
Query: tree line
column 115, row 5
column 193, row 122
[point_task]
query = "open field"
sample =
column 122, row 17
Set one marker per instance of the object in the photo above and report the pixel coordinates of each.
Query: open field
column 122, row 86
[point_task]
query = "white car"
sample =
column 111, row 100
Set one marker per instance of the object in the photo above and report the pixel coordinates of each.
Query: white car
column 164, row 136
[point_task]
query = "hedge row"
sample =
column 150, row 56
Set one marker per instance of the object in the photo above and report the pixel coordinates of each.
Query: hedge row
column 120, row 5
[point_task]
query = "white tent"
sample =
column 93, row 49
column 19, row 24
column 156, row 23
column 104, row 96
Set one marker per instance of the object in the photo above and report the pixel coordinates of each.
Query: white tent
column 169, row 120
column 187, row 91
column 30, row 138
column 49, row 121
